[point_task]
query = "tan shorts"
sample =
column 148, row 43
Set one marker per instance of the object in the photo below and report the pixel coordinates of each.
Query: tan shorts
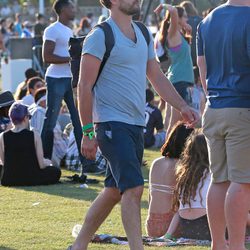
column 227, row 132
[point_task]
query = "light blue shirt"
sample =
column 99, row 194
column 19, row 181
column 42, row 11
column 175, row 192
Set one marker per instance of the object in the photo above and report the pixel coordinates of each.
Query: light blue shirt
column 119, row 94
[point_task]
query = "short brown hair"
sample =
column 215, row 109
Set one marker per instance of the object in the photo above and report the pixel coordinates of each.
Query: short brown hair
column 106, row 3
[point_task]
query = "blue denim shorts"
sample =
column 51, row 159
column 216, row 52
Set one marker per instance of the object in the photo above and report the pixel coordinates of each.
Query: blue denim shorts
column 122, row 145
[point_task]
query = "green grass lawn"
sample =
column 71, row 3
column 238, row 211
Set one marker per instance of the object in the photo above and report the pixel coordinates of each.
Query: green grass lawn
column 42, row 218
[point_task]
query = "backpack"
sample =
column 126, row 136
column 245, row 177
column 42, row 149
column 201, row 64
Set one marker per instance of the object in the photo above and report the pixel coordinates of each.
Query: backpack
column 76, row 43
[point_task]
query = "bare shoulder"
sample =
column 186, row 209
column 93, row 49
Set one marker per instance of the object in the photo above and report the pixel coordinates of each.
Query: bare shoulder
column 163, row 164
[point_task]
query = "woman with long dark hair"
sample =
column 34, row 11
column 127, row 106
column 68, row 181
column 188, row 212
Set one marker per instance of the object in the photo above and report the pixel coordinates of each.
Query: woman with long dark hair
column 192, row 183
column 174, row 35
column 162, row 182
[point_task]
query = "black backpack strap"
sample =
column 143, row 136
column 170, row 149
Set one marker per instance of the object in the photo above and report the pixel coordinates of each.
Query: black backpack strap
column 144, row 31
column 109, row 44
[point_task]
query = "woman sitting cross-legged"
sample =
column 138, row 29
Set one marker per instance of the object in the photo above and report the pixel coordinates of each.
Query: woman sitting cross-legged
column 193, row 180
column 162, row 182
column 21, row 153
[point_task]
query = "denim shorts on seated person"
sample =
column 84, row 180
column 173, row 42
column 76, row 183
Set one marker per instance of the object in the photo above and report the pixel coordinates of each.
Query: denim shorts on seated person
column 122, row 145
column 183, row 89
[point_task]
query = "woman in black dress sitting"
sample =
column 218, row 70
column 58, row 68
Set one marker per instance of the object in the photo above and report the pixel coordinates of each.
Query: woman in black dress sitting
column 21, row 153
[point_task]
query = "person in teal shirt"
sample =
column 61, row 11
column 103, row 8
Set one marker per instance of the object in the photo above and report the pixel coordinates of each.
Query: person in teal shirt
column 174, row 33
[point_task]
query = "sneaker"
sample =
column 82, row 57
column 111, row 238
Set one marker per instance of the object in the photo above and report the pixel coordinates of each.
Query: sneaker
column 93, row 169
column 78, row 179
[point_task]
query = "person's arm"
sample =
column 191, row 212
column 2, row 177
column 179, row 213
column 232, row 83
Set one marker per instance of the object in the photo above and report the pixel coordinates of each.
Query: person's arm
column 43, row 163
column 49, row 56
column 89, row 69
column 174, row 20
column 168, row 93
column 1, row 149
column 173, row 29
column 201, row 62
column 92, row 56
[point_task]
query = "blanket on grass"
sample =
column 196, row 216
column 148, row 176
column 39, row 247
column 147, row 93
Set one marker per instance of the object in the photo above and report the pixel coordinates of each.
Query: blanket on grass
column 110, row 239
column 149, row 241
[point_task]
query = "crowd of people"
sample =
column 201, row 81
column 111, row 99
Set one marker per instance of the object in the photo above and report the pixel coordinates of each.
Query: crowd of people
column 105, row 124
column 25, row 22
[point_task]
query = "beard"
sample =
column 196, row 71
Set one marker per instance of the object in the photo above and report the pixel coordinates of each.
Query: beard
column 130, row 9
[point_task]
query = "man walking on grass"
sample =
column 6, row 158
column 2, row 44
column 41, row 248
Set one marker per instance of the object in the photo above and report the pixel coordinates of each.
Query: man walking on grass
column 118, row 107
column 223, row 46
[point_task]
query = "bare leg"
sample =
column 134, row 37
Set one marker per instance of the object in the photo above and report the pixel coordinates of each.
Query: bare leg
column 162, row 105
column 237, row 207
column 131, row 216
column 96, row 215
column 248, row 219
column 175, row 117
column 216, row 217
column 167, row 116
column 173, row 227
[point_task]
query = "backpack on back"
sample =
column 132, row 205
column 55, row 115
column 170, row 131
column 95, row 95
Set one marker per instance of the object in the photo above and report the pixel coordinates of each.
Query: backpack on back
column 76, row 43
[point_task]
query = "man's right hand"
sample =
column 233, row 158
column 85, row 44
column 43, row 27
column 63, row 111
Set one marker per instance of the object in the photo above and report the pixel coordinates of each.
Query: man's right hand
column 189, row 115
column 89, row 147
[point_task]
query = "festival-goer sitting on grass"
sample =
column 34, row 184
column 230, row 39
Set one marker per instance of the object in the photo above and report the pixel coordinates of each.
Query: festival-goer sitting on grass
column 34, row 83
column 162, row 182
column 154, row 121
column 21, row 153
column 22, row 87
column 192, row 182
column 6, row 99
column 38, row 111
